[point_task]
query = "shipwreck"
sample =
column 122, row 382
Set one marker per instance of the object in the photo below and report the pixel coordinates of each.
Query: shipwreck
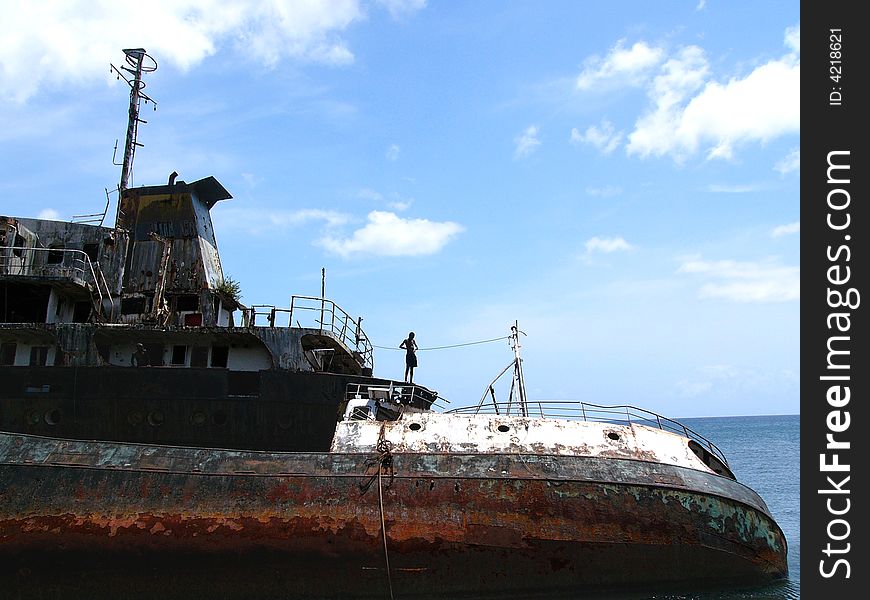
column 252, row 452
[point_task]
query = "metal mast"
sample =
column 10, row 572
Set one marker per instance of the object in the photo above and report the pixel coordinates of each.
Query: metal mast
column 519, row 382
column 139, row 62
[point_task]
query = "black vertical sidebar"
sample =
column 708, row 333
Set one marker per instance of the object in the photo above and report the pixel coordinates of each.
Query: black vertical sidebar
column 835, row 368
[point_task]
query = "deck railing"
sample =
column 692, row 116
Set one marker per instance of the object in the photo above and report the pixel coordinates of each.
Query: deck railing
column 314, row 313
column 64, row 263
column 584, row 411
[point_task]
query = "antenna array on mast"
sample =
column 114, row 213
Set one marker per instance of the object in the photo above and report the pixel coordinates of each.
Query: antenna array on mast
column 138, row 62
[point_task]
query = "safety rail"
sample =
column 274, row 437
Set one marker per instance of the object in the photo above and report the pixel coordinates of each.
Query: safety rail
column 316, row 313
column 66, row 263
column 395, row 393
column 622, row 414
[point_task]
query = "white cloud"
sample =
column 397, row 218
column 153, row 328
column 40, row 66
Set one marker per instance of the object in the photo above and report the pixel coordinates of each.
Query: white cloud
column 370, row 194
column 400, row 205
column 621, row 66
column 527, row 143
column 690, row 112
column 54, row 43
column 786, row 229
column 793, row 38
column 267, row 221
column 604, row 192
column 48, row 214
column 607, row 245
column 729, row 381
column 387, row 234
column 604, row 138
column 393, row 152
column 745, row 281
column 792, row 162
column 252, row 180
column 402, row 8
column 702, row 4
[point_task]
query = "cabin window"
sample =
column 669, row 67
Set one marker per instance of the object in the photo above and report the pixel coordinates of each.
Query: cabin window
column 219, row 356
column 38, row 356
column 187, row 302
column 179, row 355
column 81, row 312
column 92, row 250
column 55, row 254
column 199, row 356
column 18, row 243
column 132, row 306
column 193, row 320
column 7, row 353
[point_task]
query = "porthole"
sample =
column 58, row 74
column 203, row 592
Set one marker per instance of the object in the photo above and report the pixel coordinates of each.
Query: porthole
column 503, row 428
column 156, row 418
column 285, row 421
column 34, row 418
column 415, row 427
column 134, row 418
column 52, row 417
column 613, row 436
column 198, row 418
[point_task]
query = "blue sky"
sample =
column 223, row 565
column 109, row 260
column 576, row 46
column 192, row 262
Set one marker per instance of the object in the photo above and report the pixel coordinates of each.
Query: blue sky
column 622, row 178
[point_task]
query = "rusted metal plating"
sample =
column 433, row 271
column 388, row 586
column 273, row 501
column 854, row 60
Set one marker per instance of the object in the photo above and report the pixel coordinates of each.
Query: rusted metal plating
column 458, row 522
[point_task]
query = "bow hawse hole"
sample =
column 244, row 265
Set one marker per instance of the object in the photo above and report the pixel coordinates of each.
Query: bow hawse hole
column 415, row 427
column 613, row 436
column 503, row 428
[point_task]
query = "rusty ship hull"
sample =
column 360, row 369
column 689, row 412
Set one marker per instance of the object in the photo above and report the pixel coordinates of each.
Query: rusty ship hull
column 96, row 518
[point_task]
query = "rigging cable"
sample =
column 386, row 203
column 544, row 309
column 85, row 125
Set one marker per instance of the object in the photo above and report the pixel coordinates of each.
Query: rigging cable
column 504, row 337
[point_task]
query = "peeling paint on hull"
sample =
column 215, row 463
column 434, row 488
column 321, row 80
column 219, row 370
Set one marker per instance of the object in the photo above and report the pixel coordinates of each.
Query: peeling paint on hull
column 116, row 514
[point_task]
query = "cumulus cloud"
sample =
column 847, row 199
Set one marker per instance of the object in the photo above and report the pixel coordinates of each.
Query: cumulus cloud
column 604, row 138
column 621, row 66
column 793, row 38
column 387, row 234
column 748, row 281
column 393, row 152
column 55, row 43
column 607, row 245
column 690, row 113
column 786, row 229
column 527, row 142
column 792, row 162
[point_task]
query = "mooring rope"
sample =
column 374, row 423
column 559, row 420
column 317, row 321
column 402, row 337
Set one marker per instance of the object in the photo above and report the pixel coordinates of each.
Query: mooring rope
column 384, row 534
column 384, row 460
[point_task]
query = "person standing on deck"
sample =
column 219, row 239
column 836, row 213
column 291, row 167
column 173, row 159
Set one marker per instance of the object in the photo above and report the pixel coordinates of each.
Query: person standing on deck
column 140, row 357
column 410, row 347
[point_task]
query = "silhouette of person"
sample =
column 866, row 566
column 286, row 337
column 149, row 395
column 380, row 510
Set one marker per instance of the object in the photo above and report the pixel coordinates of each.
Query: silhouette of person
column 410, row 347
column 140, row 357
